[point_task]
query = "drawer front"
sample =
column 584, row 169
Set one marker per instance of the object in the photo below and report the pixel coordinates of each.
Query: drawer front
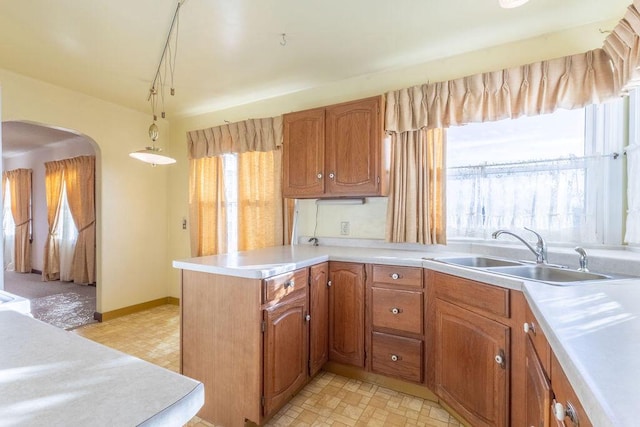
column 487, row 298
column 396, row 275
column 397, row 309
column 539, row 341
column 277, row 287
column 398, row 357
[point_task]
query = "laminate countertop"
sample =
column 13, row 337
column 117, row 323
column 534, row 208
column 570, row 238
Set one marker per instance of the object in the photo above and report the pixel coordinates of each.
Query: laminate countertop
column 51, row 377
column 594, row 328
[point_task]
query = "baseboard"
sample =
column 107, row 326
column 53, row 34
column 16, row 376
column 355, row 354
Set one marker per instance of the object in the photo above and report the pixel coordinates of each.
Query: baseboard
column 108, row 315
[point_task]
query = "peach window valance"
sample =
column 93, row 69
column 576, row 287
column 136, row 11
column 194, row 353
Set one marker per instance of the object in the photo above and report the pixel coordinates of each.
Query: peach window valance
column 240, row 137
column 542, row 87
column 623, row 46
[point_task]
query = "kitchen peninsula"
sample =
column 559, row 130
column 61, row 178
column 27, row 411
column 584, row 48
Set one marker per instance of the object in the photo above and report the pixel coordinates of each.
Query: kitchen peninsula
column 229, row 303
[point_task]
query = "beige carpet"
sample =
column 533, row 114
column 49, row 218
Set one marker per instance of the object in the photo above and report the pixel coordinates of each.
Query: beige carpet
column 62, row 304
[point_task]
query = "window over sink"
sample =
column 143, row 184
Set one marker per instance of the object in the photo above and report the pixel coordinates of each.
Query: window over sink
column 561, row 174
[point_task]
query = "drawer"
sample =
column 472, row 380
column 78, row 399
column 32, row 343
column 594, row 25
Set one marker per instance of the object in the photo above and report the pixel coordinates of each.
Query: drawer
column 487, row 298
column 539, row 341
column 397, row 309
column 278, row 287
column 398, row 357
column 396, row 275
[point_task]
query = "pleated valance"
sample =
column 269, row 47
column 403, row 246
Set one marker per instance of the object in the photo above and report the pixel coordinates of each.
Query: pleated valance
column 539, row 88
column 250, row 135
column 623, row 46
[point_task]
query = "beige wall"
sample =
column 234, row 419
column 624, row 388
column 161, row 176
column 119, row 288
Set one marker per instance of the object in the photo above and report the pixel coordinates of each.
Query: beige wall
column 365, row 220
column 131, row 196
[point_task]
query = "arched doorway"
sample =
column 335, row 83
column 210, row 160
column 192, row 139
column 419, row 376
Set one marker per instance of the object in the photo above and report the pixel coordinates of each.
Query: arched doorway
column 27, row 145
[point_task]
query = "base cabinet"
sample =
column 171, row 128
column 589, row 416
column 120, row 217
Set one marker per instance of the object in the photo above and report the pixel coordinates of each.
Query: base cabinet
column 346, row 313
column 537, row 389
column 319, row 312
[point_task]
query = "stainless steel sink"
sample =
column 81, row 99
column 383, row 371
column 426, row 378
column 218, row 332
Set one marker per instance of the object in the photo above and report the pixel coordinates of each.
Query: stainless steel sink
column 545, row 273
column 478, row 262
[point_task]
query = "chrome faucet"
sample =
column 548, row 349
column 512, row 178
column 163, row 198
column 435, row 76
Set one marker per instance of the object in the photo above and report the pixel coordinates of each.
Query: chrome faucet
column 540, row 251
column 583, row 258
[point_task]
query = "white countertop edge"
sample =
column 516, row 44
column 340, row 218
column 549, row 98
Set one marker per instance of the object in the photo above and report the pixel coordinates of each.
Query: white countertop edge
column 181, row 411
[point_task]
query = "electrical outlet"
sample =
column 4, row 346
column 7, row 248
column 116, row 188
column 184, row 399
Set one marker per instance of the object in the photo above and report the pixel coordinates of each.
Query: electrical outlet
column 344, row 228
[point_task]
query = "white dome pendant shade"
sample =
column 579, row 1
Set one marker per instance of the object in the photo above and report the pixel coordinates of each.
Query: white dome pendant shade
column 152, row 154
column 510, row 4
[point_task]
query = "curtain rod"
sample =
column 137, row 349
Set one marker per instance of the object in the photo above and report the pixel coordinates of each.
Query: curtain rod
column 532, row 162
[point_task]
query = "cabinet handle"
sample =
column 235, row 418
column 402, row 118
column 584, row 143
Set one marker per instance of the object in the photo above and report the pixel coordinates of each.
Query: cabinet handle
column 332, row 175
column 329, row 283
column 395, row 310
column 529, row 327
column 560, row 412
column 319, row 176
column 395, row 276
column 395, row 358
column 500, row 359
column 290, row 284
column 307, row 317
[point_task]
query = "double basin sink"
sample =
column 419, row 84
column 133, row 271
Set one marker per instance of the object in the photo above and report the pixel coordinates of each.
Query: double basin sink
column 555, row 275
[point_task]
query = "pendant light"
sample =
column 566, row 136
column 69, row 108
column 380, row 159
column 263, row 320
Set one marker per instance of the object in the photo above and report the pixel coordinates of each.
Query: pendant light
column 510, row 4
column 152, row 154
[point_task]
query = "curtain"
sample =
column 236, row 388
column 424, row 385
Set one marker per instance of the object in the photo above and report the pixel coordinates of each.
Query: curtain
column 416, row 208
column 633, row 194
column 623, row 47
column 79, row 180
column 20, row 189
column 207, row 206
column 249, row 135
column 53, row 194
column 8, row 226
column 260, row 216
column 534, row 89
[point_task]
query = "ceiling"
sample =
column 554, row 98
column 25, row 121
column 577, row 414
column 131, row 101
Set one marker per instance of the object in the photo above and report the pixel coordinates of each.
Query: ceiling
column 21, row 137
column 230, row 52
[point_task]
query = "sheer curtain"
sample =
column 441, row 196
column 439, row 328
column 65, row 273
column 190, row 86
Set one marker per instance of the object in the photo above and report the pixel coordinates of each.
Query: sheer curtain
column 8, row 227
column 66, row 236
column 633, row 194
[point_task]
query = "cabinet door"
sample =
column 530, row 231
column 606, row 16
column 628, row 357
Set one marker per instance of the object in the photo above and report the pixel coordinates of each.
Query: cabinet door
column 303, row 154
column 575, row 415
column 346, row 313
column 319, row 311
column 285, row 351
column 354, row 148
column 471, row 362
column 537, row 389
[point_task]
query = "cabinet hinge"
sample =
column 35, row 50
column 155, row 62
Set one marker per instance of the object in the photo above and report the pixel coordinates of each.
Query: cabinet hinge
column 263, row 326
column 262, row 401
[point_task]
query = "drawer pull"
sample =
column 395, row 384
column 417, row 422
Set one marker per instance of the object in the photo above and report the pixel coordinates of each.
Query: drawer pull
column 395, row 310
column 560, row 412
column 500, row 359
column 290, row 284
column 395, row 276
column 395, row 358
column 529, row 327
column 307, row 317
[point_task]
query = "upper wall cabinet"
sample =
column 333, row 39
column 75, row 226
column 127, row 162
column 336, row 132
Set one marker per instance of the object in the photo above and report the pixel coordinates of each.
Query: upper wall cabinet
column 335, row 151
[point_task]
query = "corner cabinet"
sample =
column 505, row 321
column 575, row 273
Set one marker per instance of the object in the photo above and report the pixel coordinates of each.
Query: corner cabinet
column 335, row 151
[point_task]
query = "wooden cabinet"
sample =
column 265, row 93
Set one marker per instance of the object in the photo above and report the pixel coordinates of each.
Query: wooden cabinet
column 335, row 151
column 537, row 389
column 285, row 350
column 346, row 313
column 566, row 407
column 395, row 308
column 470, row 349
column 319, row 311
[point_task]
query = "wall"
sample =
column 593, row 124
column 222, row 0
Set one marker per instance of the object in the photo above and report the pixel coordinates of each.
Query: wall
column 131, row 197
column 366, row 221
column 35, row 160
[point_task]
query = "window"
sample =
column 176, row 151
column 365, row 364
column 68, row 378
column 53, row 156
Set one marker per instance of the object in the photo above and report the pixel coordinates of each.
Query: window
column 560, row 174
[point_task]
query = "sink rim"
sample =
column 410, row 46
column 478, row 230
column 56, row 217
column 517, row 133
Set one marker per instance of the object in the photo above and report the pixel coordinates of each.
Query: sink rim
column 588, row 276
column 500, row 262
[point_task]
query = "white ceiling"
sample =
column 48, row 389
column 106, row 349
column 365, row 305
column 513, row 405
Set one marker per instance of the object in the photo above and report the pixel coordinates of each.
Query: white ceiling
column 230, row 51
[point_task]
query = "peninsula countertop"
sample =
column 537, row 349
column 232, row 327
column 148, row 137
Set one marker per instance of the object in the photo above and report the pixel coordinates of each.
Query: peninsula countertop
column 593, row 329
column 51, row 377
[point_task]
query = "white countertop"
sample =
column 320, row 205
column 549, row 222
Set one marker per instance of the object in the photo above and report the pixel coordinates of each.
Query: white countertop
column 51, row 377
column 594, row 329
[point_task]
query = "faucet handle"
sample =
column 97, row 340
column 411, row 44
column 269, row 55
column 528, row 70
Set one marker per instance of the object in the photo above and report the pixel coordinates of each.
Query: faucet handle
column 583, row 258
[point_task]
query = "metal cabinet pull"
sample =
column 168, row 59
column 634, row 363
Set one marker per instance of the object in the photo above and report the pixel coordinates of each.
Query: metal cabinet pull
column 395, row 358
column 529, row 327
column 395, row 310
column 319, row 176
column 332, row 175
column 500, row 359
column 560, row 412
column 290, row 284
column 307, row 317
column 395, row 276
column 329, row 283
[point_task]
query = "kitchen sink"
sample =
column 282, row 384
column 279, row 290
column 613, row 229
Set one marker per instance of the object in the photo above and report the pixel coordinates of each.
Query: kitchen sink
column 545, row 273
column 478, row 262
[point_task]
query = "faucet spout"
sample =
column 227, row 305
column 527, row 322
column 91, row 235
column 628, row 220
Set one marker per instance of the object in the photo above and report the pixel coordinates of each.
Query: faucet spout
column 540, row 251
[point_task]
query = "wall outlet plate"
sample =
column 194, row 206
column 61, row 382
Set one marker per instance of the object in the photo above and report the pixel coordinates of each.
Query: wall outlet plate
column 344, row 228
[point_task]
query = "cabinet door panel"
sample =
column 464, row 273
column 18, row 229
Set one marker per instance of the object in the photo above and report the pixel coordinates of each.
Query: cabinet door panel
column 467, row 375
column 303, row 154
column 353, row 147
column 319, row 311
column 346, row 313
column 285, row 351
column 537, row 389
